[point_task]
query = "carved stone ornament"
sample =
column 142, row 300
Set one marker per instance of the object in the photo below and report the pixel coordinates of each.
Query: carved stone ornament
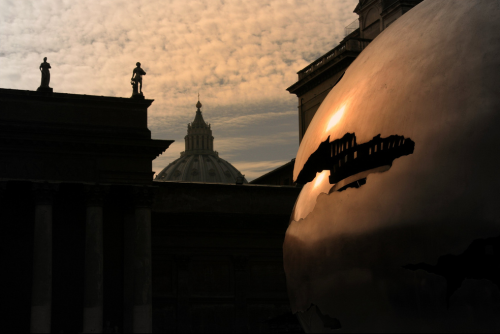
column 44, row 192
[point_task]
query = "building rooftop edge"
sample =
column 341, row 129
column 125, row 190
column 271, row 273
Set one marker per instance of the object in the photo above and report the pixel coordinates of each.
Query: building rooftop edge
column 328, row 63
column 21, row 92
column 274, row 170
column 346, row 38
column 224, row 184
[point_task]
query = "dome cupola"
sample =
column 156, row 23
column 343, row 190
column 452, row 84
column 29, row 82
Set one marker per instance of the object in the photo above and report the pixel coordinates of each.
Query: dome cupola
column 199, row 137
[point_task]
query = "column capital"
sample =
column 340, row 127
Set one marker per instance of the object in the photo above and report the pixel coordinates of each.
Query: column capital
column 44, row 192
column 95, row 194
column 144, row 195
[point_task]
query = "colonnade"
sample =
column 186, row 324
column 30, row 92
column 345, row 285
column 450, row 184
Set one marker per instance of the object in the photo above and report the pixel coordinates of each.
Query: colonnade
column 41, row 302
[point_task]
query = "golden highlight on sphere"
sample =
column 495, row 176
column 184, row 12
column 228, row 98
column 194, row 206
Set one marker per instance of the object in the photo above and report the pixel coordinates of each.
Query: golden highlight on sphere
column 401, row 230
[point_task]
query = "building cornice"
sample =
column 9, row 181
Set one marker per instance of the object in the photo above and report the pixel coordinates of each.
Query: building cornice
column 291, row 162
column 322, row 74
column 80, row 99
column 150, row 148
column 335, row 60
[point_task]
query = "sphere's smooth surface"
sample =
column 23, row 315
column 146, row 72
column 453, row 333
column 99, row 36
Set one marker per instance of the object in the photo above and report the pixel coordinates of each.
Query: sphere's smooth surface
column 403, row 252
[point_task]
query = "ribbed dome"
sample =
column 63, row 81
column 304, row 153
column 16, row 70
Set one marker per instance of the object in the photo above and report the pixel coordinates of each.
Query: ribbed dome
column 199, row 162
column 200, row 168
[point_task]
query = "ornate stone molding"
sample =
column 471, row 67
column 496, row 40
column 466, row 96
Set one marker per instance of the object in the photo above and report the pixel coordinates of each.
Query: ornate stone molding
column 95, row 194
column 44, row 192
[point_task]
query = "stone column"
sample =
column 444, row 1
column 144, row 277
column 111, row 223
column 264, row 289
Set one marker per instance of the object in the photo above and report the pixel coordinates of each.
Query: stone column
column 3, row 205
column 3, row 189
column 142, row 312
column 93, row 293
column 41, row 297
column 128, row 272
column 183, row 319
column 240, row 265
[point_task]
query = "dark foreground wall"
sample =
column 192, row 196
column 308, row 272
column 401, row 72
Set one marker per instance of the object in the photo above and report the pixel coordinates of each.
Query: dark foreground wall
column 217, row 257
column 75, row 208
column 217, row 260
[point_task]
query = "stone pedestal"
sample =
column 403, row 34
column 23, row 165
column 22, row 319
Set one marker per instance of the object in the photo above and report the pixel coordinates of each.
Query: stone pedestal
column 142, row 310
column 138, row 96
column 41, row 300
column 93, row 298
column 135, row 91
column 45, row 90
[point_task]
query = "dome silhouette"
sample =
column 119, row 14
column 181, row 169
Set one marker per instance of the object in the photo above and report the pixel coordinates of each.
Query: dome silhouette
column 199, row 162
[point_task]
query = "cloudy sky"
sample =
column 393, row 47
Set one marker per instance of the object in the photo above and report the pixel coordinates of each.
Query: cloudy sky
column 240, row 55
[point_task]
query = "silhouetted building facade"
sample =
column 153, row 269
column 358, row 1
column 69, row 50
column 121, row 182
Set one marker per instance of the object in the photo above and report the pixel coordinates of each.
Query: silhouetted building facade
column 282, row 175
column 217, row 256
column 90, row 242
column 317, row 79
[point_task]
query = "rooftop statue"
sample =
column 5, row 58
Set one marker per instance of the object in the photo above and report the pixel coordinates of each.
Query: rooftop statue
column 44, row 69
column 136, row 81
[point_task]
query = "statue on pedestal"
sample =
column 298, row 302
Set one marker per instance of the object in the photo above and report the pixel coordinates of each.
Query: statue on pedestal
column 136, row 81
column 44, row 69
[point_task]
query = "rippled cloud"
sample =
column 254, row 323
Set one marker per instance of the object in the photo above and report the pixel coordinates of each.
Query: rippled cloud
column 240, row 55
